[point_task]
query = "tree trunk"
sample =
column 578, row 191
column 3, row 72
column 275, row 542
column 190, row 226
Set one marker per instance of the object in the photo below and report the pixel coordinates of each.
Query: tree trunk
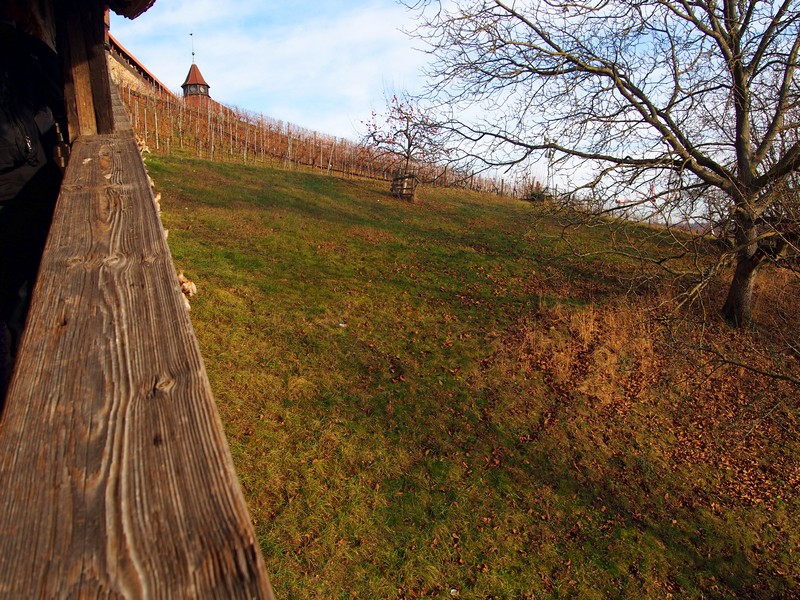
column 738, row 305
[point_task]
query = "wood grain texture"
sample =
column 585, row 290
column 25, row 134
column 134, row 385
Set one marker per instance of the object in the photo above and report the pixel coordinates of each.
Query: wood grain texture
column 63, row 47
column 94, row 34
column 78, row 71
column 117, row 478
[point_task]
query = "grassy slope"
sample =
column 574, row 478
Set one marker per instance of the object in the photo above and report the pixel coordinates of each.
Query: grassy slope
column 439, row 397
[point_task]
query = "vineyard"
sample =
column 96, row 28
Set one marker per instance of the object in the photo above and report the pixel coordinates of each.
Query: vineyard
column 166, row 123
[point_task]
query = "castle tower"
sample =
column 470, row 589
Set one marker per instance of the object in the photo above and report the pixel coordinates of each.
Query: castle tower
column 195, row 88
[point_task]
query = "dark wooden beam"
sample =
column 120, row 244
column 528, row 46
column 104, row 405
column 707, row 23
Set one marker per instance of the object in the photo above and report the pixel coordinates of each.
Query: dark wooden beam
column 81, row 33
column 95, row 35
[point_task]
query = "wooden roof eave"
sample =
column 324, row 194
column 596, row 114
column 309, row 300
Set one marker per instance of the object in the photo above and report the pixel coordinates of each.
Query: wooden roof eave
column 130, row 8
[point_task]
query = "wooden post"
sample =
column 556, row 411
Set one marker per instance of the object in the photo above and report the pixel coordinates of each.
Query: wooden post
column 170, row 108
column 197, row 146
column 246, row 139
column 330, row 157
column 87, row 87
column 98, row 64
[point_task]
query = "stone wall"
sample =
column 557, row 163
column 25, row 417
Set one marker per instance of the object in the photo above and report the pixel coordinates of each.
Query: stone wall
column 123, row 73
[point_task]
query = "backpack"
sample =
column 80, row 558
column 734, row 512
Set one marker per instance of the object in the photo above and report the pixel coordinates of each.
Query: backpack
column 21, row 152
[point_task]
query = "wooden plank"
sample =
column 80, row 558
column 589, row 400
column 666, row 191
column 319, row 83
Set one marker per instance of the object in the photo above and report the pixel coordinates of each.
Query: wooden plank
column 121, row 120
column 117, row 479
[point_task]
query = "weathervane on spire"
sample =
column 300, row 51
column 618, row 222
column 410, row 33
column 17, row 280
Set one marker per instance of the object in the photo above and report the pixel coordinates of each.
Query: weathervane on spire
column 191, row 35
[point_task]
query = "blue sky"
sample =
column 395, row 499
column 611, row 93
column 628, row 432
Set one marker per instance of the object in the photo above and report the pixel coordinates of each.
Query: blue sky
column 320, row 64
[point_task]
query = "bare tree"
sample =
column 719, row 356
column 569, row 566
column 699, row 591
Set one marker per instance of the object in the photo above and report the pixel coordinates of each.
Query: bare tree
column 405, row 133
column 645, row 103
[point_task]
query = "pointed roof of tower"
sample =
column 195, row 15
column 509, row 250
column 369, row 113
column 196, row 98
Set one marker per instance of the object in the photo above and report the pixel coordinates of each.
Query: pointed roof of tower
column 195, row 77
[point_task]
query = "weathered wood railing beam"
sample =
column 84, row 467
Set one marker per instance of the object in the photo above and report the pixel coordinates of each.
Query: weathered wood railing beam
column 117, row 479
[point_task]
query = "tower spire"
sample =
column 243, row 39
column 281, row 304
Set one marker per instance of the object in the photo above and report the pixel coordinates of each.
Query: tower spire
column 195, row 88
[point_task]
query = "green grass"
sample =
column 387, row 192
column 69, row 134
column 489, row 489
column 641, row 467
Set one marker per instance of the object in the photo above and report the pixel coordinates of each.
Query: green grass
column 435, row 397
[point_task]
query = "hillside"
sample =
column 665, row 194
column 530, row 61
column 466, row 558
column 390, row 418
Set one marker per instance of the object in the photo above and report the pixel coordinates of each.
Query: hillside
column 441, row 400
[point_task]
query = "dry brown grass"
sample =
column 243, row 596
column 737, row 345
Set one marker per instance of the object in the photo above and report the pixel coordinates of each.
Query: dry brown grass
column 606, row 352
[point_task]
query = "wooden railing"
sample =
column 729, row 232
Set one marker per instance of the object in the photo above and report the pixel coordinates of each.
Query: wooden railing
column 116, row 475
